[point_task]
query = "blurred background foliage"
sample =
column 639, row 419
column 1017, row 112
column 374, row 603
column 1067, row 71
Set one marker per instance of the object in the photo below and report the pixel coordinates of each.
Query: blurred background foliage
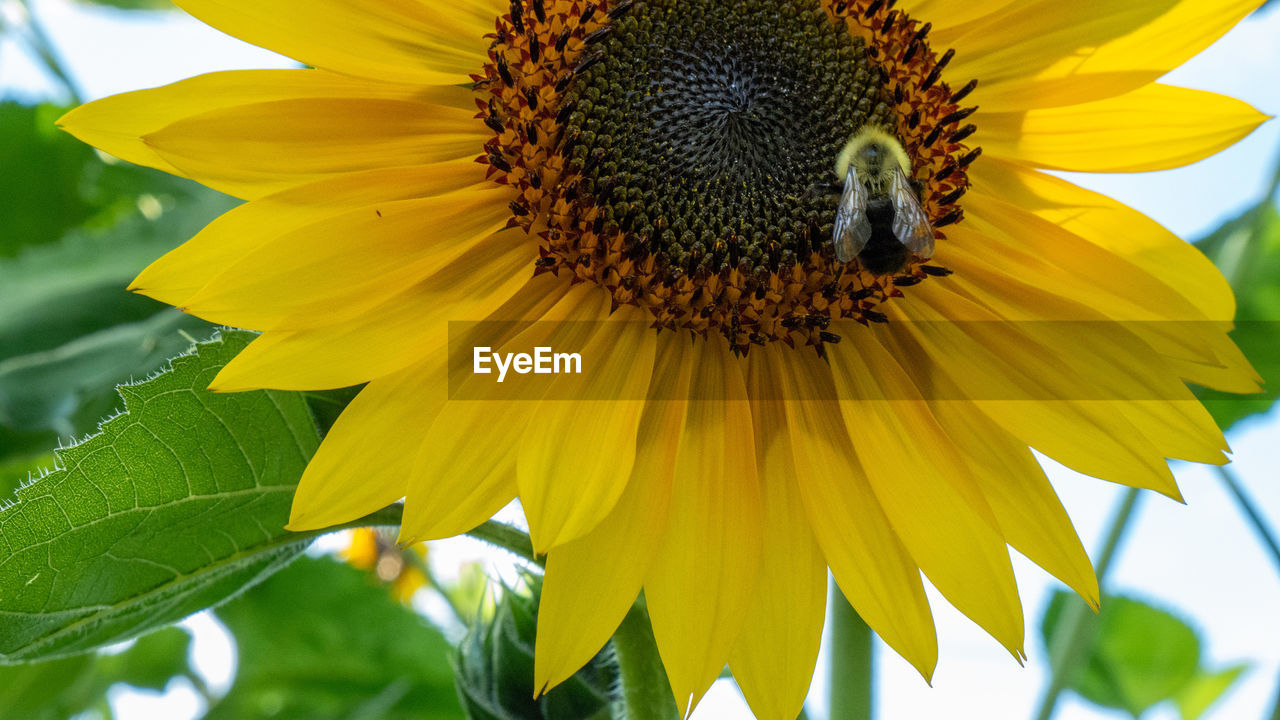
column 345, row 636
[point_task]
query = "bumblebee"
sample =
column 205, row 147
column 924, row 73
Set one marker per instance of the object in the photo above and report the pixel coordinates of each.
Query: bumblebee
column 879, row 220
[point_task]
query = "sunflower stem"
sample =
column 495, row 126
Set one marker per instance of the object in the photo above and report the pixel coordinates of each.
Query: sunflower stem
column 852, row 682
column 1071, row 644
column 507, row 537
column 1250, row 511
column 646, row 694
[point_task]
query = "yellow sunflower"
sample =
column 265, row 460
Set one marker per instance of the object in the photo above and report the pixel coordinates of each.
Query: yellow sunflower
column 650, row 184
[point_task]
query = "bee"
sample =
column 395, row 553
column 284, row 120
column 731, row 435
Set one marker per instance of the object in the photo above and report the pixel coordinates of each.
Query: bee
column 879, row 219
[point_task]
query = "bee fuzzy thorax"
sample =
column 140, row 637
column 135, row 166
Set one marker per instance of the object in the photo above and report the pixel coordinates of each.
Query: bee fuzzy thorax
column 875, row 150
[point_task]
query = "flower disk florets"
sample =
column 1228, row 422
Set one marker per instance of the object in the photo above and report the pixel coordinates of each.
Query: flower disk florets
column 680, row 154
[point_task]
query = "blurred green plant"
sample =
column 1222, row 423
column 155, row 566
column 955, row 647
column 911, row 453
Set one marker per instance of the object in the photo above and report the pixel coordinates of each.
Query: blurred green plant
column 1247, row 251
column 76, row 229
column 494, row 668
column 321, row 639
column 1140, row 656
column 77, row 686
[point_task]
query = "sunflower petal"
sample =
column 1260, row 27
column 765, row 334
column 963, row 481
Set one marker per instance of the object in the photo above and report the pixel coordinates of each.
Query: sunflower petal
column 702, row 582
column 592, row 441
column 318, row 268
column 365, row 459
column 1047, row 32
column 393, row 40
column 927, row 492
column 393, row 335
column 1030, row 515
column 467, row 471
column 573, row 625
column 117, row 124
column 871, row 566
column 948, row 344
column 1156, row 127
column 257, row 149
column 774, row 659
column 185, row 270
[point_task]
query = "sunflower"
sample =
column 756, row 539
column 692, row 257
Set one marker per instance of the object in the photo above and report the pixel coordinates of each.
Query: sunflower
column 650, row 184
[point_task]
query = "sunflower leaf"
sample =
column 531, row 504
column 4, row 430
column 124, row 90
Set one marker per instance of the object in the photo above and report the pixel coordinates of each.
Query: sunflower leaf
column 176, row 505
column 1247, row 250
column 1139, row 655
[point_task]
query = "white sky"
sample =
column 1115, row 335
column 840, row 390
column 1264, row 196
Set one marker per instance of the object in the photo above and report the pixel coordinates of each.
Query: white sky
column 1200, row 560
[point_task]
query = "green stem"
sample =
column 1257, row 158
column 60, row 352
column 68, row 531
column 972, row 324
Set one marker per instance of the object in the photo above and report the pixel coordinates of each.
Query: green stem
column 646, row 694
column 508, row 538
column 1071, row 645
column 852, row 682
column 1259, row 523
column 41, row 45
column 502, row 535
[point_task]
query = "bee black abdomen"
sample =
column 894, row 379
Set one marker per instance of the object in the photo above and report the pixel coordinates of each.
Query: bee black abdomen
column 884, row 253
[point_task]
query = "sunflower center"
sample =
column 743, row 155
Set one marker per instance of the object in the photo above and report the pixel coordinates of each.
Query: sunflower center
column 680, row 153
column 704, row 128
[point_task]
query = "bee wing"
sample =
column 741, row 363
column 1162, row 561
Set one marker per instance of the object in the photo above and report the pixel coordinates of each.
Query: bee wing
column 852, row 228
column 910, row 224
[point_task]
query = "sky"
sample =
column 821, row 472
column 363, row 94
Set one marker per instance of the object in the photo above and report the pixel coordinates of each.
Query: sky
column 1199, row 560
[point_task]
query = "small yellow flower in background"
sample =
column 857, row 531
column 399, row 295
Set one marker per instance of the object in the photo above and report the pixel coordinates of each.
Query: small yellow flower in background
column 591, row 172
column 370, row 550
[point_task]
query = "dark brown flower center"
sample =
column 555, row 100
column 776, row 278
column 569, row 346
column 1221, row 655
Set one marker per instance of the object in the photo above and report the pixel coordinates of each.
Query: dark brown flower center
column 680, row 153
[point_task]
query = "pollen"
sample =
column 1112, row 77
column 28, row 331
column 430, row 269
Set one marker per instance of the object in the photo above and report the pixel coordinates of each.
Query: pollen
column 680, row 153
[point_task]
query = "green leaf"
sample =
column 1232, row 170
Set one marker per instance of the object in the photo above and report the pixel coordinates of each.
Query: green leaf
column 43, row 169
column 1140, row 655
column 59, row 689
column 1247, row 250
column 175, row 506
column 70, row 332
column 1206, row 689
column 322, row 640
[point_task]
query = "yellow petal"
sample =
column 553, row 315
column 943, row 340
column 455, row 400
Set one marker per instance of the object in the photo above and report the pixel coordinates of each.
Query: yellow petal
column 1111, row 365
column 257, row 149
column 774, row 659
column 872, row 568
column 183, row 272
column 960, row 350
column 1139, row 240
column 1025, row 38
column 117, row 124
column 408, row 327
column 948, row 13
column 466, row 471
column 1030, row 251
column 575, row 460
column 614, row 558
column 1171, row 39
column 704, row 577
column 1156, row 127
column 1030, row 515
column 1114, row 226
column 394, row 40
column 319, row 268
column 1046, row 76
column 364, row 462
column 926, row 490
